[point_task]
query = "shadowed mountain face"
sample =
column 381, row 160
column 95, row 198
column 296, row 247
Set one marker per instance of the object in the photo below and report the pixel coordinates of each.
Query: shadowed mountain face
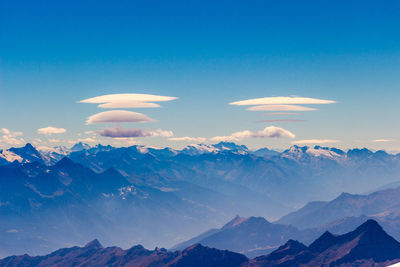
column 368, row 245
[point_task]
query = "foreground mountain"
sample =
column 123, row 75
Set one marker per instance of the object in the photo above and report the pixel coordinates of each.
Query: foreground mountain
column 251, row 236
column 368, row 245
column 93, row 254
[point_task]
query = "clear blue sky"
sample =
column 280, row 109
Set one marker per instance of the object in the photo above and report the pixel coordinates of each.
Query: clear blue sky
column 207, row 53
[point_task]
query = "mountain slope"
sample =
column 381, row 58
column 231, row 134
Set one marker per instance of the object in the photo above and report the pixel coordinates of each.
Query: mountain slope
column 382, row 205
column 251, row 236
column 368, row 245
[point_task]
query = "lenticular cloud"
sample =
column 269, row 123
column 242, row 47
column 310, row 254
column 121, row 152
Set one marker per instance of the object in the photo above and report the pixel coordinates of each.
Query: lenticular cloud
column 281, row 100
column 119, row 132
column 268, row 132
column 118, row 116
column 128, row 100
column 281, row 103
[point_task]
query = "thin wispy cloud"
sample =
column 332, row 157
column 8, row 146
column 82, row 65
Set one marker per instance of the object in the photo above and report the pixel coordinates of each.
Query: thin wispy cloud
column 315, row 141
column 51, row 130
column 280, row 120
column 280, row 113
column 281, row 100
column 118, row 116
column 381, row 140
column 268, row 132
column 128, row 100
column 119, row 132
column 188, row 139
column 280, row 108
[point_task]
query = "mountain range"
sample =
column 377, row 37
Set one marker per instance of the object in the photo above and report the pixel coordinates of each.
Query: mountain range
column 367, row 245
column 54, row 197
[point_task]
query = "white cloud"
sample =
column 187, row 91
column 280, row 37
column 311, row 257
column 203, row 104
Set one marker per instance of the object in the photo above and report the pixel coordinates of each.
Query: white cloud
column 280, row 113
column 125, row 141
column 281, row 100
column 5, row 131
column 119, row 132
column 36, row 141
column 10, row 133
column 381, row 140
column 280, row 108
column 128, row 100
column 54, row 140
column 11, row 137
column 86, row 140
column 280, row 120
column 89, row 132
column 129, row 104
column 117, row 116
column 271, row 132
column 51, row 130
column 188, row 139
column 315, row 141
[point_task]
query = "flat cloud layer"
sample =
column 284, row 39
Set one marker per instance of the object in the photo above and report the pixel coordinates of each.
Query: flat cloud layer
column 128, row 100
column 280, row 108
column 119, row 132
column 188, row 139
column 281, row 100
column 51, row 130
column 118, row 116
column 315, row 141
column 381, row 140
column 271, row 132
column 280, row 120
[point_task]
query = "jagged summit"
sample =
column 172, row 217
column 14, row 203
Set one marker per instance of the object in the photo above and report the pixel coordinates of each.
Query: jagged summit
column 94, row 244
column 79, row 146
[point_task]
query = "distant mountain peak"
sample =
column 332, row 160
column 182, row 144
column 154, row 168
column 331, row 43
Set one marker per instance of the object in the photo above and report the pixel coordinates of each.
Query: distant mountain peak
column 79, row 146
column 94, row 244
column 234, row 222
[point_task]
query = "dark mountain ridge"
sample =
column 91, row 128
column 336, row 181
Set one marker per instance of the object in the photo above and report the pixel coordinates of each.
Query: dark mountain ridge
column 367, row 245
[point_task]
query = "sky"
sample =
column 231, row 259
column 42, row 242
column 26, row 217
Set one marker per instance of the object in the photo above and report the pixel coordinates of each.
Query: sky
column 203, row 55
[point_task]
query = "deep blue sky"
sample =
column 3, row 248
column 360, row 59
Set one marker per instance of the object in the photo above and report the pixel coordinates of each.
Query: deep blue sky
column 207, row 53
